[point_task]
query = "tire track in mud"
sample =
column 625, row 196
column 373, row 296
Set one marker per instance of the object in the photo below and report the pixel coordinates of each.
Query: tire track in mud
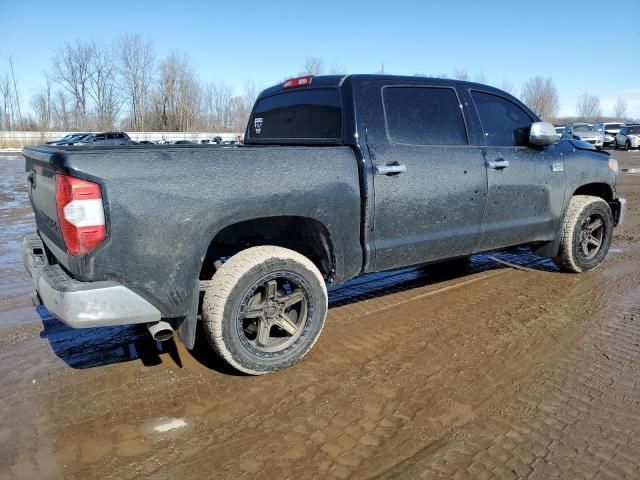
column 576, row 417
column 389, row 406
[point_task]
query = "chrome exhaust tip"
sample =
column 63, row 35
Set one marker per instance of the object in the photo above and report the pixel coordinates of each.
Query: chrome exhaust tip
column 160, row 331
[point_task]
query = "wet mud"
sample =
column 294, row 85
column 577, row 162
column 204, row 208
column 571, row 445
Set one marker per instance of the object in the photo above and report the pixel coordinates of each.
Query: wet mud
column 502, row 367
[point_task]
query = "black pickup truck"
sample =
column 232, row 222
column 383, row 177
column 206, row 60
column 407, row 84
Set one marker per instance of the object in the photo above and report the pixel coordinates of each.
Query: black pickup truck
column 338, row 176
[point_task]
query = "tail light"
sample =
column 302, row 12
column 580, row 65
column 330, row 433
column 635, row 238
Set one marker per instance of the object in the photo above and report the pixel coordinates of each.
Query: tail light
column 80, row 214
column 298, row 82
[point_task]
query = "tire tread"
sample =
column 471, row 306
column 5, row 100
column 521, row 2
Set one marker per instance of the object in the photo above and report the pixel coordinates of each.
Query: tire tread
column 227, row 277
column 566, row 259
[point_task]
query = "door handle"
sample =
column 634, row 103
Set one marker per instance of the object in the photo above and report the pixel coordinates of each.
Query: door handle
column 390, row 169
column 498, row 164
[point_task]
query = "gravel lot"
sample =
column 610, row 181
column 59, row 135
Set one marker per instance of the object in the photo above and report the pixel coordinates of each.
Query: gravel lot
column 508, row 370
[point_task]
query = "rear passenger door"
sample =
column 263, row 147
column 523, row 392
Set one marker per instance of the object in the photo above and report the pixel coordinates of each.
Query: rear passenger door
column 429, row 183
column 525, row 184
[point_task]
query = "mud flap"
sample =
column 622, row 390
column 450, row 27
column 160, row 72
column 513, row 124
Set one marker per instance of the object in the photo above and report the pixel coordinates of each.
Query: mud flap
column 187, row 328
column 548, row 249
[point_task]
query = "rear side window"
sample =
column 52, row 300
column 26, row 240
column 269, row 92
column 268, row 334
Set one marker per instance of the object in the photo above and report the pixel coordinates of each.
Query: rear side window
column 100, row 137
column 313, row 114
column 504, row 123
column 423, row 116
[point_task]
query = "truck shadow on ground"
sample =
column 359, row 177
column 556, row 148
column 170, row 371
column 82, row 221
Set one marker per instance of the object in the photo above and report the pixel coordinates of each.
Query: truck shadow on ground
column 96, row 347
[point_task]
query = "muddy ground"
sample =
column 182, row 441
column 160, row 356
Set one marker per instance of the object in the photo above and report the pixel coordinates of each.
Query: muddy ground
column 508, row 370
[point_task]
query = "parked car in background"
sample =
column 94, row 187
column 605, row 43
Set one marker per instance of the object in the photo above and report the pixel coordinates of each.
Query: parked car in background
column 184, row 142
column 63, row 139
column 609, row 131
column 628, row 137
column 585, row 132
column 559, row 130
column 211, row 141
column 106, row 138
column 70, row 139
column 145, row 142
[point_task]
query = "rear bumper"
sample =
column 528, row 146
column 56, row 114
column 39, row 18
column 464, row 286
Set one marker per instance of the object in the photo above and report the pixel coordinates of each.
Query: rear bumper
column 82, row 304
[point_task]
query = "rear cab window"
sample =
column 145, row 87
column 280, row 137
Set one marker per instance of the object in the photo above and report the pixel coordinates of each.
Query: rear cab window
column 312, row 115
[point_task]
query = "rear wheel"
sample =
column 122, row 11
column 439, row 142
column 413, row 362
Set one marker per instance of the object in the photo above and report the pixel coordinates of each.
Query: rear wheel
column 586, row 234
column 264, row 309
column 627, row 145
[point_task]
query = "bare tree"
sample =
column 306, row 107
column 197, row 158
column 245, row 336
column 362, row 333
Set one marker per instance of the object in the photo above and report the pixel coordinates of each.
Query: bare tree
column 217, row 98
column 313, row 66
column 61, row 111
column 620, row 108
column 461, row 75
column 480, row 78
column 43, row 108
column 337, row 69
column 541, row 96
column 102, row 86
column 72, row 70
column 178, row 95
column 506, row 85
column 589, row 107
column 6, row 115
column 137, row 62
column 16, row 94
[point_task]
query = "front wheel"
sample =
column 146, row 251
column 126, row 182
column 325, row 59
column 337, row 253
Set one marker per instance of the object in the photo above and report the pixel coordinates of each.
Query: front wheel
column 586, row 234
column 264, row 309
column 627, row 145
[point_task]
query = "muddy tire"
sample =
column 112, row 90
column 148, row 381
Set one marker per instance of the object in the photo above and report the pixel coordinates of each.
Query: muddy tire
column 586, row 234
column 264, row 309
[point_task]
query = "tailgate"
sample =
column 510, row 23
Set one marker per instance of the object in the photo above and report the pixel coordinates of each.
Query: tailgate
column 41, row 169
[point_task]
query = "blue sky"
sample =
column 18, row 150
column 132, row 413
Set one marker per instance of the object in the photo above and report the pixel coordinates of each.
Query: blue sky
column 581, row 45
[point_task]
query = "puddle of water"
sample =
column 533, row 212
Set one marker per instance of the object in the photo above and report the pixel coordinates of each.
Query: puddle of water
column 169, row 425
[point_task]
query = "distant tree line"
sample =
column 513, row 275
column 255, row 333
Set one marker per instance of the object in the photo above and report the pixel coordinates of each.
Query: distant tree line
column 124, row 84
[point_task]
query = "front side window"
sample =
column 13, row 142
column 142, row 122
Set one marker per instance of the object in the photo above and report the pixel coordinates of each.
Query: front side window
column 504, row 123
column 423, row 116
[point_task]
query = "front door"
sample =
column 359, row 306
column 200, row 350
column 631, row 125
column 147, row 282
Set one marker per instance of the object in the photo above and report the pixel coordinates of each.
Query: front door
column 526, row 185
column 429, row 184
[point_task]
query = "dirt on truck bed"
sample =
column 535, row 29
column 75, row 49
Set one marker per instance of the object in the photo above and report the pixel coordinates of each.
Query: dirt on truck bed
column 503, row 368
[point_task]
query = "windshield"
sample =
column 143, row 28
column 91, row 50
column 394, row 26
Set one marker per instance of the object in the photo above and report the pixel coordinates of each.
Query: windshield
column 298, row 114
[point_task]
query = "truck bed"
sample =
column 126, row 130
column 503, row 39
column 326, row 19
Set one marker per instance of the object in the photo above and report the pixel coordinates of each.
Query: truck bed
column 164, row 205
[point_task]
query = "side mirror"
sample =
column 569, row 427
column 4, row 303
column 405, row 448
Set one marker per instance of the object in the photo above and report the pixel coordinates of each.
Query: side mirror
column 542, row 134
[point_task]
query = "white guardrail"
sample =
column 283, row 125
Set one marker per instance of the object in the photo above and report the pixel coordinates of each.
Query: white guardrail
column 27, row 138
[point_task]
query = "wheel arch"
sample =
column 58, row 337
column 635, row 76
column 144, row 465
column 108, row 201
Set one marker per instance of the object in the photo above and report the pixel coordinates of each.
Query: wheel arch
column 595, row 189
column 304, row 235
